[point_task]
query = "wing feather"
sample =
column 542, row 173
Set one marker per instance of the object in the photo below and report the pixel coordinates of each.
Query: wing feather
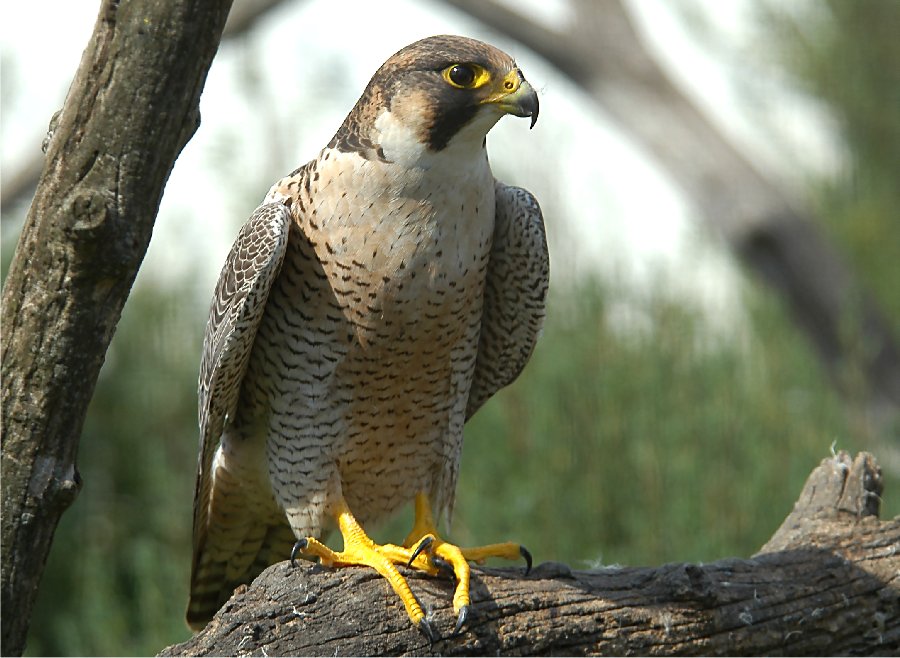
column 237, row 307
column 515, row 293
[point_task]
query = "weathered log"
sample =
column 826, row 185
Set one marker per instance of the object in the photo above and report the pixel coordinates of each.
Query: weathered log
column 828, row 582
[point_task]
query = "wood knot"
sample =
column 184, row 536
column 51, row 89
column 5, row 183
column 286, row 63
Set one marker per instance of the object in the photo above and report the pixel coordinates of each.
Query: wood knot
column 689, row 582
column 90, row 212
column 550, row 570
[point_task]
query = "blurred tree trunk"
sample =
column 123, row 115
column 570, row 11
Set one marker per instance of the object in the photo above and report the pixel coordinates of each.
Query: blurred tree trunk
column 603, row 53
column 132, row 107
column 793, row 597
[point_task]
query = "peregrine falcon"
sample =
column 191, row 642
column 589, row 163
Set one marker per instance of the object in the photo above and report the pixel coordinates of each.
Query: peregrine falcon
column 378, row 296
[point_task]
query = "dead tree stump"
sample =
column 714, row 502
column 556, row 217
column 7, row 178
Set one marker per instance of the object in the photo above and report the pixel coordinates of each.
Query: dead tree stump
column 827, row 583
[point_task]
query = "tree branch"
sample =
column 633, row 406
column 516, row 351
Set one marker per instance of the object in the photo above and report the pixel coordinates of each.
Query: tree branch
column 131, row 109
column 827, row 583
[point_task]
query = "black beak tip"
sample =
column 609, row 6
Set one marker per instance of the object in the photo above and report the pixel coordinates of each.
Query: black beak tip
column 535, row 111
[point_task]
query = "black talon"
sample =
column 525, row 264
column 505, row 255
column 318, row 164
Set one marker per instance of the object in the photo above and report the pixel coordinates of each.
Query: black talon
column 427, row 630
column 461, row 620
column 299, row 545
column 525, row 554
column 443, row 566
column 425, row 543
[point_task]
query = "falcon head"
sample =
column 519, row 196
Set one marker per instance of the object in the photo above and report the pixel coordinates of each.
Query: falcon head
column 437, row 92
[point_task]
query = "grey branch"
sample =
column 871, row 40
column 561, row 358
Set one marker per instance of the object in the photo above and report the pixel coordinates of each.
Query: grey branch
column 827, row 583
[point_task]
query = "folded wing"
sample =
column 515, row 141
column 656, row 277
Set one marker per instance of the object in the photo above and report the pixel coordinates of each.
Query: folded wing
column 515, row 294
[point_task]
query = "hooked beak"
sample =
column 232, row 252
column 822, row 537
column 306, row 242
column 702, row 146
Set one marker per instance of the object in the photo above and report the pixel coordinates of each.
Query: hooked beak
column 516, row 97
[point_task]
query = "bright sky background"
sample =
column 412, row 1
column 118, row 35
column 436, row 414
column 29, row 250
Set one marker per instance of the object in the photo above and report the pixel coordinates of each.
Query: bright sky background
column 274, row 98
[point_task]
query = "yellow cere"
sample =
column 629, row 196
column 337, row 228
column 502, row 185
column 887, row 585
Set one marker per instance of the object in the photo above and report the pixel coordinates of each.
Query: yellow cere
column 510, row 84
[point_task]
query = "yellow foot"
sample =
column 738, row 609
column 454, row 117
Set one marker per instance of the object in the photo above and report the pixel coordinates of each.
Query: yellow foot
column 359, row 549
column 424, row 540
column 423, row 550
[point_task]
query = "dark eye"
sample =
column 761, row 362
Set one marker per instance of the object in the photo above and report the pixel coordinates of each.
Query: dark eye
column 462, row 75
column 466, row 76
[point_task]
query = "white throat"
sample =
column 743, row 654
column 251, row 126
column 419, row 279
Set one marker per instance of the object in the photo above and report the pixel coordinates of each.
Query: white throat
column 401, row 142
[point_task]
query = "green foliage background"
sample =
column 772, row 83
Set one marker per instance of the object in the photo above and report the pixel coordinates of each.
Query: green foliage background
column 635, row 447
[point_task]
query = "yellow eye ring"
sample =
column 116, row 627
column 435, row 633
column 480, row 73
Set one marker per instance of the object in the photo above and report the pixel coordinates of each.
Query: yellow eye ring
column 466, row 76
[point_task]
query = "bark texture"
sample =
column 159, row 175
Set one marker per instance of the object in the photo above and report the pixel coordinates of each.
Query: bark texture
column 827, row 583
column 132, row 107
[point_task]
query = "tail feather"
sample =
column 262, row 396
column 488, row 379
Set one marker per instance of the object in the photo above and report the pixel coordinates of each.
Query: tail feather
column 239, row 529
column 215, row 576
